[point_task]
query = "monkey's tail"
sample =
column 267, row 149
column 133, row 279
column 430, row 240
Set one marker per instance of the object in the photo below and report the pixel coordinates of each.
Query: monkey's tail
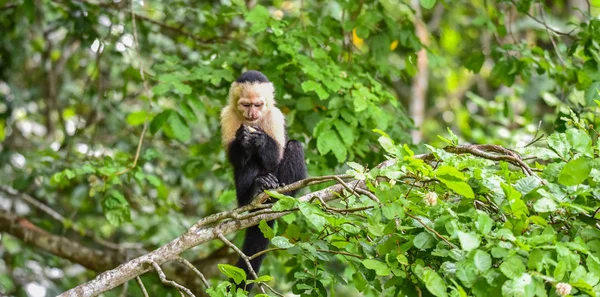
column 254, row 242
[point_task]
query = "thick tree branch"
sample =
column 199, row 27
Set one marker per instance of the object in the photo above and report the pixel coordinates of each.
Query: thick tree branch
column 214, row 226
column 97, row 260
column 194, row 236
column 60, row 218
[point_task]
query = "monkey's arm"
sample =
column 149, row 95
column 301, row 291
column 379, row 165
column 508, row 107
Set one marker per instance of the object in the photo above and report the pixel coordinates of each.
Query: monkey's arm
column 292, row 167
column 267, row 149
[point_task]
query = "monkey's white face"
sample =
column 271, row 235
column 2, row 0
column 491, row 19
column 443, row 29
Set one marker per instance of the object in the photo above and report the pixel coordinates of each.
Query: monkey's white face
column 251, row 107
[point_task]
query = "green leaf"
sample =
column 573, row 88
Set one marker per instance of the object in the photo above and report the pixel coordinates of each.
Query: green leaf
column 545, row 205
column 475, row 61
column 360, row 103
column 482, row 260
column 261, row 279
column 237, row 274
column 380, row 268
column 137, row 118
column 427, row 4
column 329, row 141
column 266, row 230
column 580, row 141
column 182, row 88
column 434, row 283
column 356, row 166
column 558, row 142
column 285, row 203
column 258, row 15
column 527, row 184
column 311, row 85
column 575, row 172
column 484, row 223
column 340, row 153
column 513, row 267
column 178, row 128
column 468, row 241
column 387, row 144
column 161, row 89
column 345, row 131
column 592, row 93
column 313, row 214
column 281, row 242
column 453, row 179
column 424, row 241
column 159, row 121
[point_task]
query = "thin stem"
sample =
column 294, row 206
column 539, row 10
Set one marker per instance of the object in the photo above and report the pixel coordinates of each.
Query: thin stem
column 243, row 256
column 164, row 280
column 142, row 287
column 440, row 236
column 194, row 269
column 146, row 90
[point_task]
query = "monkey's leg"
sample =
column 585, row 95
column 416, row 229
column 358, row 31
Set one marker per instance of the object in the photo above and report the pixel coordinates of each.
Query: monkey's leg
column 292, row 167
column 254, row 242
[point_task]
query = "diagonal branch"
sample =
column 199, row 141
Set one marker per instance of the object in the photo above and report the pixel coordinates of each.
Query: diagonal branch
column 218, row 225
column 25, row 230
column 243, row 256
column 60, row 218
column 164, row 280
column 195, row 235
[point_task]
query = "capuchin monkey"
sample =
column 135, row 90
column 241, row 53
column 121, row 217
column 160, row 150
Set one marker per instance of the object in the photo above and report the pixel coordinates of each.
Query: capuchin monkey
column 255, row 137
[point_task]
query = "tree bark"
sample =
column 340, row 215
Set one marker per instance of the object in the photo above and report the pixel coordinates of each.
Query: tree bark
column 421, row 80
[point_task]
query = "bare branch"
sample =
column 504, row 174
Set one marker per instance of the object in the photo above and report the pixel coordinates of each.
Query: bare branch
column 60, row 218
column 164, row 280
column 25, row 230
column 544, row 23
column 195, row 235
column 142, row 287
column 32, row 201
column 440, row 236
column 222, row 224
column 243, row 256
column 146, row 90
column 194, row 269
column 560, row 58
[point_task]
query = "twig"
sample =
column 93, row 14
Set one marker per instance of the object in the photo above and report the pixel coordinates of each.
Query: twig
column 164, row 280
column 194, row 269
column 262, row 197
column 264, row 252
column 340, row 253
column 544, row 23
column 535, row 137
column 146, row 90
column 340, row 181
column 341, row 210
column 34, row 202
column 440, row 236
column 142, row 287
column 243, row 256
column 560, row 58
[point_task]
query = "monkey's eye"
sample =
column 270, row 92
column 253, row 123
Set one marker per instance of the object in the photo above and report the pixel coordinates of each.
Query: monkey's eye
column 246, row 104
column 258, row 105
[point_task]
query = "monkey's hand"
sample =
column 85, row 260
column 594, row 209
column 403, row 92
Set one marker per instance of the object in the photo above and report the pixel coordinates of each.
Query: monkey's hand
column 258, row 137
column 243, row 134
column 265, row 182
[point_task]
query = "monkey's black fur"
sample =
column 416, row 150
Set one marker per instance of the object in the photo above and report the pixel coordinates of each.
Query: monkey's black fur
column 254, row 156
column 252, row 76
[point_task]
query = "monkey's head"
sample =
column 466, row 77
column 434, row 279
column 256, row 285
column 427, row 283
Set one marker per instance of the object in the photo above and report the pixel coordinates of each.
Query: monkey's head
column 252, row 96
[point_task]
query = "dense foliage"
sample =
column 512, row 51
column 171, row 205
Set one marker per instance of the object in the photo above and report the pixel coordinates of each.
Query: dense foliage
column 109, row 116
